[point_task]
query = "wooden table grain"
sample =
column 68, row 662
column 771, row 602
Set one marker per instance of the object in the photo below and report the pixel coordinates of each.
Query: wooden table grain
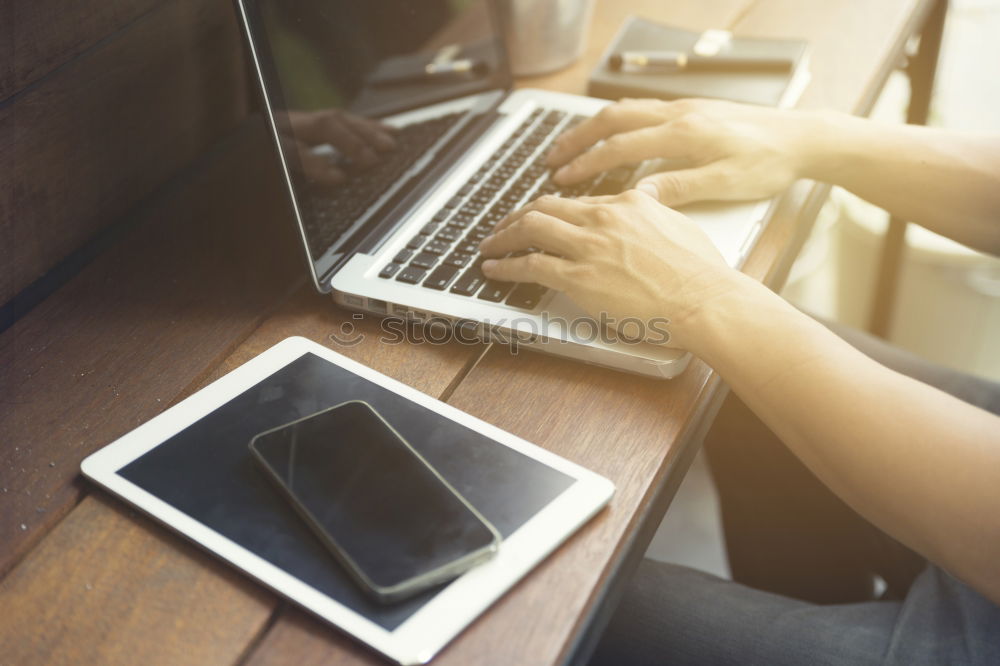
column 86, row 580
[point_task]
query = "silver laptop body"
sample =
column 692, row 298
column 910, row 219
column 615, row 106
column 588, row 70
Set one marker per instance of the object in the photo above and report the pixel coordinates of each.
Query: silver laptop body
column 395, row 236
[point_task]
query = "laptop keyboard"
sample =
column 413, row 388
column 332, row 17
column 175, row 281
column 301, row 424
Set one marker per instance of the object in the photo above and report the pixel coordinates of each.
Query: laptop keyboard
column 444, row 255
column 332, row 209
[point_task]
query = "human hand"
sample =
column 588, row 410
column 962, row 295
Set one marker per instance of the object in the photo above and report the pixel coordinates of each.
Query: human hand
column 357, row 138
column 626, row 256
column 729, row 151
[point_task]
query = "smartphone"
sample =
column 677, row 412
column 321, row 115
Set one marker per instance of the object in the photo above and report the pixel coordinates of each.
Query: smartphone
column 394, row 523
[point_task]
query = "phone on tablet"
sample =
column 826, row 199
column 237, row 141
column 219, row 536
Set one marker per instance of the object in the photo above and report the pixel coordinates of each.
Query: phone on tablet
column 394, row 523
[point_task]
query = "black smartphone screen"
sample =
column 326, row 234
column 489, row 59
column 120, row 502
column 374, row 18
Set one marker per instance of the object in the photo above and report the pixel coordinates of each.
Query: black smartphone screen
column 372, row 498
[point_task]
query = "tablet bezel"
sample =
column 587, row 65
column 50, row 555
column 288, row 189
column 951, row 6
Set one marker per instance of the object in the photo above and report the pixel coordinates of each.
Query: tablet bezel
column 423, row 634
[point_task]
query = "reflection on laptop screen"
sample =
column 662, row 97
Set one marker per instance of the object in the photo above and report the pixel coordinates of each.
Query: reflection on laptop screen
column 335, row 73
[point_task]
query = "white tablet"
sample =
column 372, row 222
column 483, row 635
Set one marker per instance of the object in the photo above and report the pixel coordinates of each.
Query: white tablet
column 191, row 469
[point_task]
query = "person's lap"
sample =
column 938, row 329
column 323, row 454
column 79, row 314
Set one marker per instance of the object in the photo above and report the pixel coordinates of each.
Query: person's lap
column 807, row 564
column 675, row 615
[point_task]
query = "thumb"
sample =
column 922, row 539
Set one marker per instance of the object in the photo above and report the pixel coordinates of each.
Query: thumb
column 674, row 188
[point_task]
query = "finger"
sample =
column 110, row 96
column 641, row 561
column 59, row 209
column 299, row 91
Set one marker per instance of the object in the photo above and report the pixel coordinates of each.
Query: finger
column 380, row 124
column 605, row 198
column 626, row 148
column 372, row 132
column 712, row 182
column 612, row 119
column 537, row 230
column 317, row 168
column 536, row 267
column 569, row 210
column 330, row 128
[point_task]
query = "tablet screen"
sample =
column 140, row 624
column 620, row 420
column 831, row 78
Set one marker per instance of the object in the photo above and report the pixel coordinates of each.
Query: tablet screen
column 206, row 471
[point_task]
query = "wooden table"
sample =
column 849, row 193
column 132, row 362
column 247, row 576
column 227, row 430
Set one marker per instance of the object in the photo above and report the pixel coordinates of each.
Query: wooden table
column 207, row 275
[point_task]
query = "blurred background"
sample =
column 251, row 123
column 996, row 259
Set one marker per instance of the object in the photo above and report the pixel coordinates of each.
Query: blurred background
column 947, row 306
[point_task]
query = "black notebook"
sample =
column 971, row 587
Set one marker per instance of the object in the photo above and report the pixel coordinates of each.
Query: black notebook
column 769, row 87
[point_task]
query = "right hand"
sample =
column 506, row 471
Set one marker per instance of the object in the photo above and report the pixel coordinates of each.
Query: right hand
column 729, row 151
column 620, row 258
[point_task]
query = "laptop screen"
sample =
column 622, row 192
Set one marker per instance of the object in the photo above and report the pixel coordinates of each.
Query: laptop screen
column 339, row 77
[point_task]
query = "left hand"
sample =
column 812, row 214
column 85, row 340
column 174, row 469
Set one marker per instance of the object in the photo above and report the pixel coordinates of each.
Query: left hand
column 724, row 150
column 626, row 256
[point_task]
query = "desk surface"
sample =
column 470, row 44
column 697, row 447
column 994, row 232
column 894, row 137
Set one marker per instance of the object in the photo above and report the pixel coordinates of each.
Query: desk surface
column 86, row 580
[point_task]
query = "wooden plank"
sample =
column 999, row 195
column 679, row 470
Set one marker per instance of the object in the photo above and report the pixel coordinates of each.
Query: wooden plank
column 428, row 367
column 107, row 587
column 44, row 34
column 164, row 579
column 89, row 141
column 137, row 328
column 301, row 639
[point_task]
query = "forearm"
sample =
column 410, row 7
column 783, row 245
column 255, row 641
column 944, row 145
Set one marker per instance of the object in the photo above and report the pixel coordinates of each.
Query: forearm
column 946, row 181
column 918, row 463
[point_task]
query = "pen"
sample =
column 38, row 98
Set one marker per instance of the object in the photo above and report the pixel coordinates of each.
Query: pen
column 435, row 72
column 654, row 62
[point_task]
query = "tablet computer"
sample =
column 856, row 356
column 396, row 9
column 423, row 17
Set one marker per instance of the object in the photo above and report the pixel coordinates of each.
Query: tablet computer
column 191, row 469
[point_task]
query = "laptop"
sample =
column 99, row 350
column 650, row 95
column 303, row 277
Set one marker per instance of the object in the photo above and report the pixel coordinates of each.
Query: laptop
column 403, row 143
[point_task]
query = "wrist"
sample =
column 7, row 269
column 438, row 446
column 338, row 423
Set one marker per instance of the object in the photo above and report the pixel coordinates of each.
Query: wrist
column 718, row 326
column 828, row 143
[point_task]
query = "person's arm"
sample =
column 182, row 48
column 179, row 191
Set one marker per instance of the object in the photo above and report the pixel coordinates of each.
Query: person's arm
column 920, row 464
column 947, row 181
column 917, row 462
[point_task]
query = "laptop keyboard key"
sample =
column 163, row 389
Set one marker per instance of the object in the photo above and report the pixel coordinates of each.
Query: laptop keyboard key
column 553, row 117
column 458, row 259
column 441, row 276
column 613, row 182
column 437, row 247
column 424, row 260
column 389, row 270
column 403, row 256
column 448, row 235
column 471, row 280
column 416, row 242
column 527, row 295
column 478, row 234
column 411, row 275
column 495, row 291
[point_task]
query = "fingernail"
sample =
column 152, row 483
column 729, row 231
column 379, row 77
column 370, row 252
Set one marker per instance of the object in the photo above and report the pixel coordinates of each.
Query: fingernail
column 488, row 265
column 561, row 174
column 648, row 188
